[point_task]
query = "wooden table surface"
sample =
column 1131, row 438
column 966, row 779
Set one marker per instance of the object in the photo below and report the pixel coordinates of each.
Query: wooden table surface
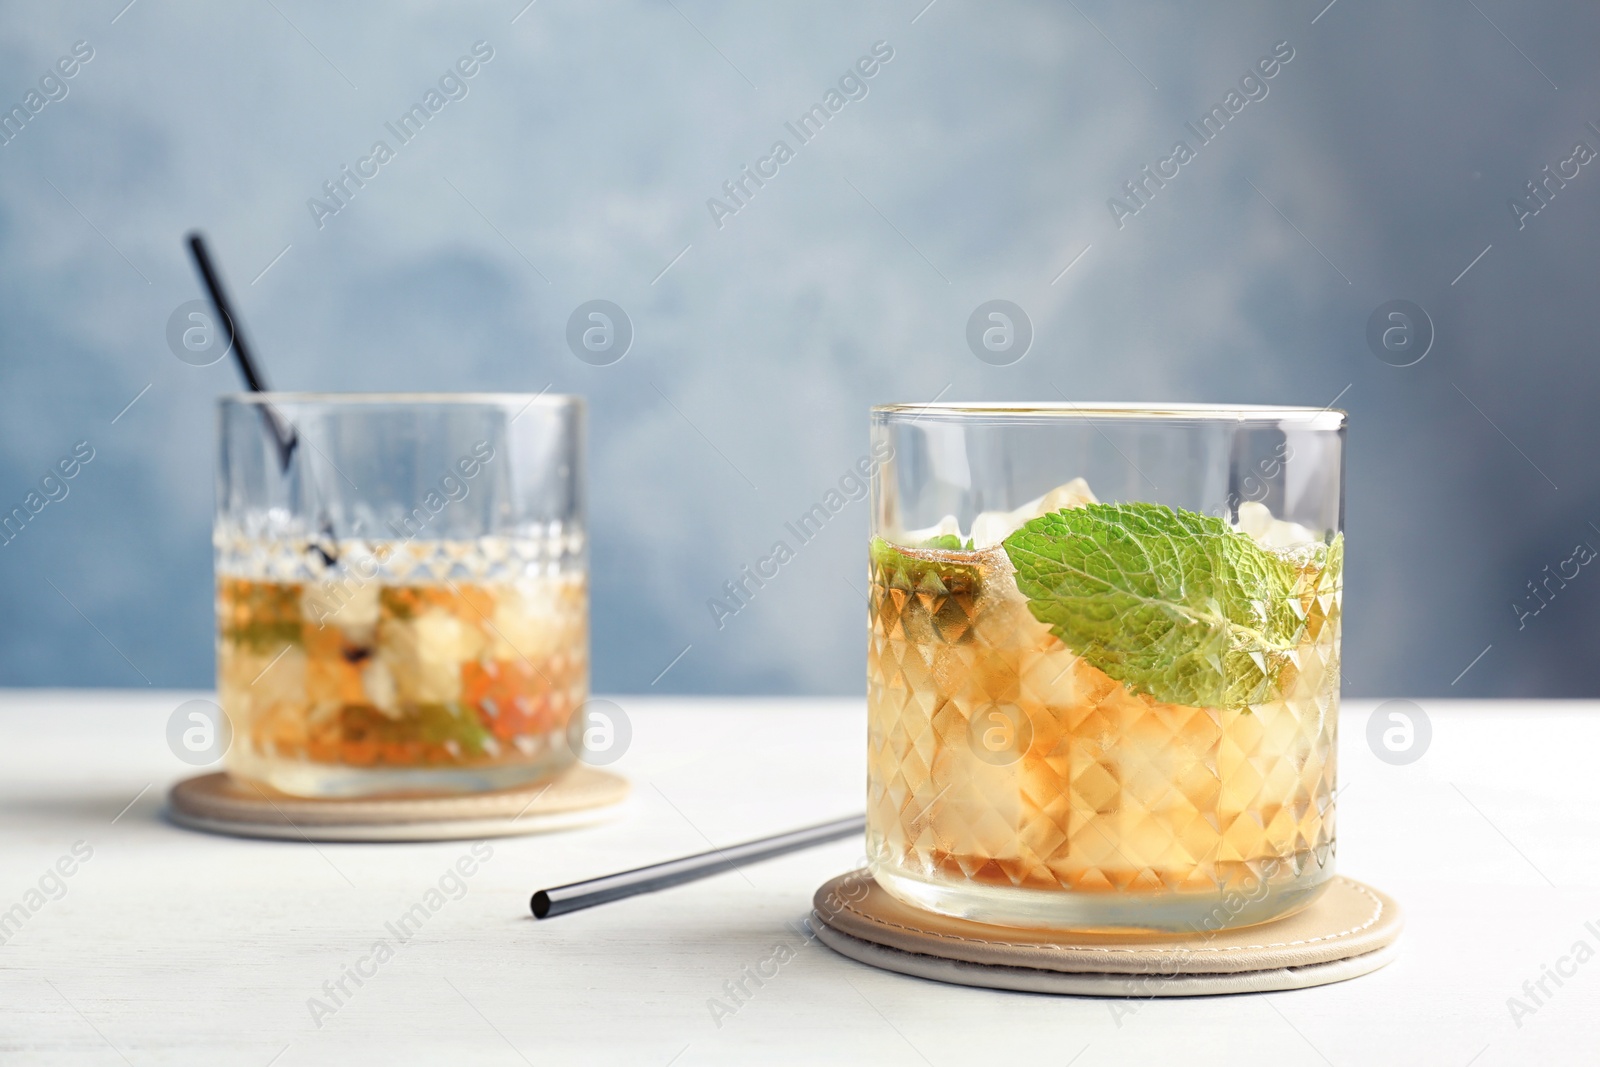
column 164, row 946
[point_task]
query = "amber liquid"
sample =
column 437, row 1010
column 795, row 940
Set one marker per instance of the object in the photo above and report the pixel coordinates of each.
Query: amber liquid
column 1011, row 782
column 350, row 687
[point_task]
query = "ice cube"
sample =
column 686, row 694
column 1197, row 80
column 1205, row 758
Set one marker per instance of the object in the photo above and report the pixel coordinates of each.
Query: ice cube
column 945, row 527
column 378, row 684
column 992, row 527
column 1073, row 494
column 1287, row 535
column 533, row 621
column 424, row 655
column 346, row 601
column 1255, row 519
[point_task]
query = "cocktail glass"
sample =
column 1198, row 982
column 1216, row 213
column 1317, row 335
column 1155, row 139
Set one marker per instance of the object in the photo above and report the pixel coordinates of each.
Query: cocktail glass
column 1103, row 664
column 402, row 602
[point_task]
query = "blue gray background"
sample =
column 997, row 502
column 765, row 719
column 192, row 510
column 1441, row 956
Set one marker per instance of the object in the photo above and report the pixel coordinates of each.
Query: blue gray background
column 978, row 166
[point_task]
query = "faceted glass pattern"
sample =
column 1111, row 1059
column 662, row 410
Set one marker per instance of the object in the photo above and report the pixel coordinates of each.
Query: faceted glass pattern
column 1010, row 781
column 436, row 665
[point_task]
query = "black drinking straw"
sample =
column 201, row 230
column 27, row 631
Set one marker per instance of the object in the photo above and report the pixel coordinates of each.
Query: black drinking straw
column 548, row 903
column 283, row 434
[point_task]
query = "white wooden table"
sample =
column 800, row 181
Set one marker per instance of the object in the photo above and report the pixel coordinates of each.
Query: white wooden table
column 171, row 947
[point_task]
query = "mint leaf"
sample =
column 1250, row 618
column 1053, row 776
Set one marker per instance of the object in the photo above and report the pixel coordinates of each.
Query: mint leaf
column 1331, row 575
column 913, row 571
column 1173, row 604
column 948, row 542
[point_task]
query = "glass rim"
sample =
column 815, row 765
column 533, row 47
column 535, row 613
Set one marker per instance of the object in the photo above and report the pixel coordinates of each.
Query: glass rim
column 1328, row 418
column 403, row 399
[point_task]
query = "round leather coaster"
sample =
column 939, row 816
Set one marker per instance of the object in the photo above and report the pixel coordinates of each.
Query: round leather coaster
column 220, row 803
column 1348, row 931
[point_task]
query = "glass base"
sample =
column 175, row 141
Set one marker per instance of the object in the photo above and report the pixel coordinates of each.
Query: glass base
column 1118, row 913
column 305, row 779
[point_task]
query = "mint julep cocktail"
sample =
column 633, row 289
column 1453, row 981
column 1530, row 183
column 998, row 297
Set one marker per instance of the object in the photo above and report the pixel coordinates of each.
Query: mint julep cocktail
column 1099, row 715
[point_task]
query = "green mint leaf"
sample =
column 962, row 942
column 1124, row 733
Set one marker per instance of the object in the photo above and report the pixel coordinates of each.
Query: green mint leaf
column 1173, row 604
column 913, row 572
column 1330, row 575
column 948, row 542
